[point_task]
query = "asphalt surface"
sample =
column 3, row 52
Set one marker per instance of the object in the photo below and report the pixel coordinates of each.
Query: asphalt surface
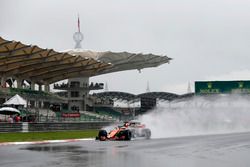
column 228, row 150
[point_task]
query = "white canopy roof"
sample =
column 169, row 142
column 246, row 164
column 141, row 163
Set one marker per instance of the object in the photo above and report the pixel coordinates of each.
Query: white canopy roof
column 9, row 111
column 16, row 100
column 121, row 60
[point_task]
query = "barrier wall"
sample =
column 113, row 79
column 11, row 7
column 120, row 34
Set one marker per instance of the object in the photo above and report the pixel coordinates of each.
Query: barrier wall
column 10, row 127
column 36, row 127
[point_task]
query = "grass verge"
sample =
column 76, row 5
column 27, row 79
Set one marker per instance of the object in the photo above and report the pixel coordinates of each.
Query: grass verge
column 38, row 136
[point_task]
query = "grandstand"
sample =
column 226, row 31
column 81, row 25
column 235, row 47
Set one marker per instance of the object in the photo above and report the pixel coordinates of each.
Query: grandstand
column 35, row 99
column 29, row 71
column 147, row 101
column 109, row 112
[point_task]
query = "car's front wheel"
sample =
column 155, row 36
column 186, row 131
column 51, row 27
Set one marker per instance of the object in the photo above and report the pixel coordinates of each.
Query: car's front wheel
column 128, row 135
column 125, row 135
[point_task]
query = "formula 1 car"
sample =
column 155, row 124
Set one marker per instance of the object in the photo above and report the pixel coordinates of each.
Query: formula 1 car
column 129, row 130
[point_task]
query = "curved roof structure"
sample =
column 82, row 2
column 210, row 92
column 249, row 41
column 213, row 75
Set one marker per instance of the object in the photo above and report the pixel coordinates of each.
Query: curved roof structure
column 187, row 95
column 117, row 95
column 47, row 66
column 131, row 97
column 122, row 60
column 159, row 95
column 44, row 65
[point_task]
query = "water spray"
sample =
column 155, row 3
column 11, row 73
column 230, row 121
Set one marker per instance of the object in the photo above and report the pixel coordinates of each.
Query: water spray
column 199, row 116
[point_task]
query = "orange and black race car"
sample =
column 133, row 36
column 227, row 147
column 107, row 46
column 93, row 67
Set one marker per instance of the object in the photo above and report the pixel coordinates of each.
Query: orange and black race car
column 129, row 130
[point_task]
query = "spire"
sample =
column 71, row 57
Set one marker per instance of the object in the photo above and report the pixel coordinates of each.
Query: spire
column 78, row 36
column 106, row 87
column 189, row 88
column 79, row 30
column 147, row 89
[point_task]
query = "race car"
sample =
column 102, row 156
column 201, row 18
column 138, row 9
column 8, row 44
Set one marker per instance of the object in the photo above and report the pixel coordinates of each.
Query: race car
column 127, row 131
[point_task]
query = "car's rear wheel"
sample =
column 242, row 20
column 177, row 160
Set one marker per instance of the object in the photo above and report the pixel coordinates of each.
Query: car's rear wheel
column 102, row 135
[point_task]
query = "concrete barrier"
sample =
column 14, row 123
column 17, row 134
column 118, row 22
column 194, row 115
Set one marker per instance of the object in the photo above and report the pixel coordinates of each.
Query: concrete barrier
column 58, row 126
column 25, row 127
column 66, row 126
column 10, row 127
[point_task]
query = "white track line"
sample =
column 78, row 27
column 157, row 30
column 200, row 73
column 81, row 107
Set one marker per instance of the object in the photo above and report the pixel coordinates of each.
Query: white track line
column 45, row 141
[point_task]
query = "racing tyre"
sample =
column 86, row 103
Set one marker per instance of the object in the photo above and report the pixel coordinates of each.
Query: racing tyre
column 124, row 135
column 147, row 133
column 127, row 134
column 102, row 135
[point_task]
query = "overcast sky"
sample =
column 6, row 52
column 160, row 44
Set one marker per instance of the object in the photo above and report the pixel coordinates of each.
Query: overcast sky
column 208, row 39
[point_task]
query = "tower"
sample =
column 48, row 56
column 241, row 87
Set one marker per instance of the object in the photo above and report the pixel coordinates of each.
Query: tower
column 78, row 36
column 78, row 88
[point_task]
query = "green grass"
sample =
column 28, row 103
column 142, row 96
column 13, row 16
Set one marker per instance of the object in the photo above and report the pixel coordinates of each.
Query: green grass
column 38, row 136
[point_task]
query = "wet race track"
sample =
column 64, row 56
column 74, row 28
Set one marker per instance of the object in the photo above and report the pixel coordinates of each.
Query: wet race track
column 228, row 150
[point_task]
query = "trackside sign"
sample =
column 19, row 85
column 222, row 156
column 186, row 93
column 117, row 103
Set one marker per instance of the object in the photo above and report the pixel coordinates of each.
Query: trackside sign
column 71, row 115
column 217, row 87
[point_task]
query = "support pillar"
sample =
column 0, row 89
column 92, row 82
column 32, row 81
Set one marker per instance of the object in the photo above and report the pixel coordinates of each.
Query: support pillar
column 39, row 87
column 84, row 103
column 3, row 81
column 47, row 88
column 19, row 82
column 32, row 85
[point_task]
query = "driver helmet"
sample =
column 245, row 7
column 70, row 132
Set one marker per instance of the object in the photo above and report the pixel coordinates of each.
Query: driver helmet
column 126, row 124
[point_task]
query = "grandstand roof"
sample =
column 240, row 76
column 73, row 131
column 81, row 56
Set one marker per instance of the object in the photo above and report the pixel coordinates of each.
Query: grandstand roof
column 46, row 66
column 117, row 95
column 33, row 63
column 159, row 95
column 131, row 97
column 187, row 95
column 122, row 60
